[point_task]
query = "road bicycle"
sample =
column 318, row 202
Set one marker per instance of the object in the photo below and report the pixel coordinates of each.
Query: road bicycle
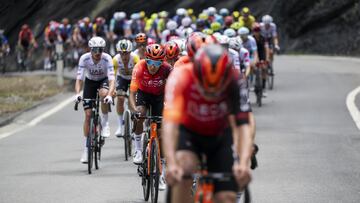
column 128, row 127
column 260, row 74
column 203, row 187
column 150, row 169
column 94, row 141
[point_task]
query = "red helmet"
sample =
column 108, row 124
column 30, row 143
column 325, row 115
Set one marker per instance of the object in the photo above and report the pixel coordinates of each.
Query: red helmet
column 172, row 50
column 100, row 20
column 256, row 27
column 141, row 38
column 213, row 68
column 194, row 42
column 228, row 21
column 155, row 52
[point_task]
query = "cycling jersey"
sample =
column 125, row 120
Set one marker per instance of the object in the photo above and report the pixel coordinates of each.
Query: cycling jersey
column 247, row 23
column 235, row 58
column 181, row 61
column 166, row 34
column 123, row 70
column 250, row 45
column 65, row 32
column 118, row 27
column 261, row 44
column 50, row 35
column 3, row 40
column 268, row 32
column 96, row 72
column 25, row 36
column 144, row 81
column 244, row 59
column 187, row 106
column 100, row 30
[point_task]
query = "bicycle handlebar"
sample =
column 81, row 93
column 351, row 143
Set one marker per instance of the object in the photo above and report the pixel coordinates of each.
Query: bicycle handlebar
column 77, row 103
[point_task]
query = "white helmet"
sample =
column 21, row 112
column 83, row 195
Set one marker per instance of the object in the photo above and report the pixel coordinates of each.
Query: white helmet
column 124, row 45
column 230, row 32
column 235, row 43
column 119, row 15
column 243, row 31
column 97, row 42
column 267, row 19
column 211, row 11
column 181, row 12
column 186, row 22
column 223, row 39
column 135, row 16
column 171, row 25
column 224, row 12
column 186, row 32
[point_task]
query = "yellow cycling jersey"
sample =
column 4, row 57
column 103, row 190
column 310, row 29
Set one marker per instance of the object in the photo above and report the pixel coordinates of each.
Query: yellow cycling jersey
column 122, row 70
column 247, row 23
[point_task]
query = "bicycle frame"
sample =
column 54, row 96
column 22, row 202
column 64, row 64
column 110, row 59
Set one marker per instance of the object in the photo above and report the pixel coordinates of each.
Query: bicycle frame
column 153, row 138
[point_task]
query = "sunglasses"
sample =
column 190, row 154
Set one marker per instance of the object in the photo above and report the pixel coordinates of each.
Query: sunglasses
column 150, row 62
column 97, row 50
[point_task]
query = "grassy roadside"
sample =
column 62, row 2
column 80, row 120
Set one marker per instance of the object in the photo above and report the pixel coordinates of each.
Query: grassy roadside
column 19, row 93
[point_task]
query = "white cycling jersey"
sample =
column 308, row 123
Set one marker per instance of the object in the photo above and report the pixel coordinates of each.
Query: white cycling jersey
column 235, row 58
column 268, row 32
column 120, row 67
column 87, row 68
column 244, row 58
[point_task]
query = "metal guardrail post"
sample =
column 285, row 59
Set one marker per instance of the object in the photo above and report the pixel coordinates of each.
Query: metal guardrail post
column 59, row 49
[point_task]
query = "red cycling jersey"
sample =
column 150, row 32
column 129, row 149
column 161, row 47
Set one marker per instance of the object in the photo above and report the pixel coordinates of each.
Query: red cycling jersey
column 181, row 61
column 152, row 84
column 187, row 106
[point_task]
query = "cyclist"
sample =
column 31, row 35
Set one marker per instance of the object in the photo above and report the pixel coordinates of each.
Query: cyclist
column 161, row 25
column 249, row 43
column 207, row 93
column 172, row 52
column 246, row 19
column 100, row 28
column 171, row 30
column 124, row 63
column 4, row 43
column 263, row 49
column 180, row 14
column 26, row 41
column 51, row 38
column 86, row 29
column 268, row 30
column 96, row 68
column 135, row 24
column 141, row 43
column 147, row 90
column 186, row 27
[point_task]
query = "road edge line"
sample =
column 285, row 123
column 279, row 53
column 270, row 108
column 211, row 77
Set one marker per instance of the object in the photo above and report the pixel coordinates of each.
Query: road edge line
column 350, row 103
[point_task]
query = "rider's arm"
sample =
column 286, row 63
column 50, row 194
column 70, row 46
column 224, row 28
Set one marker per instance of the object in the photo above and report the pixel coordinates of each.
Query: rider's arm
column 78, row 86
column 111, row 76
column 134, row 86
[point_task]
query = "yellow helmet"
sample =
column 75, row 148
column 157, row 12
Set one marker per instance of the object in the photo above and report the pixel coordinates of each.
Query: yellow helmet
column 142, row 14
column 215, row 26
column 190, row 11
column 203, row 16
column 245, row 10
column 208, row 31
column 154, row 16
column 235, row 26
column 236, row 14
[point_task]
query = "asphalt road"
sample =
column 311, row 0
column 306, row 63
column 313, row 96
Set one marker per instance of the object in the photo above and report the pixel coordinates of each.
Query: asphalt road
column 309, row 146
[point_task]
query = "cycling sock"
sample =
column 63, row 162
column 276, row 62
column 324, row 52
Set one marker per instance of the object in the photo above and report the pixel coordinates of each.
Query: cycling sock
column 137, row 142
column 105, row 118
column 85, row 142
column 121, row 120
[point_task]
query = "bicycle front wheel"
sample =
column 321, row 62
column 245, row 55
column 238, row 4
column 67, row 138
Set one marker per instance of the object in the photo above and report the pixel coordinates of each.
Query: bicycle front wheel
column 90, row 145
column 154, row 171
column 127, row 133
column 145, row 179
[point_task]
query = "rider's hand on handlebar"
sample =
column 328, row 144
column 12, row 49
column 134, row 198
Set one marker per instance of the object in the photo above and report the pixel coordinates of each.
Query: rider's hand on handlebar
column 77, row 98
column 108, row 99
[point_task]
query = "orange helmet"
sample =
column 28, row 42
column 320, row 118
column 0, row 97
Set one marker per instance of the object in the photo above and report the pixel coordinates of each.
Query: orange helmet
column 213, row 69
column 155, row 52
column 172, row 50
column 141, row 38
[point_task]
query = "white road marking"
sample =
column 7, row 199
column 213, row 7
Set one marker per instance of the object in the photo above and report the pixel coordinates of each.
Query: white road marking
column 39, row 118
column 350, row 103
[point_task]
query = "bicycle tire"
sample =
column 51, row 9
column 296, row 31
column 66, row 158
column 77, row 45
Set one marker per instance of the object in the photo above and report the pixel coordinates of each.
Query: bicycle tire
column 90, row 146
column 145, row 179
column 126, row 135
column 154, row 171
column 258, row 87
column 270, row 77
column 97, row 144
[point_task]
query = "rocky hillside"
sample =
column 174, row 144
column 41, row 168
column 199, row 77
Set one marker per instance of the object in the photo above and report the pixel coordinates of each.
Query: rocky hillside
column 305, row 26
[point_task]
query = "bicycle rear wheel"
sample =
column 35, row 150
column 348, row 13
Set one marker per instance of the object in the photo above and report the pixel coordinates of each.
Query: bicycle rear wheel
column 154, row 171
column 127, row 132
column 145, row 179
column 258, row 87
